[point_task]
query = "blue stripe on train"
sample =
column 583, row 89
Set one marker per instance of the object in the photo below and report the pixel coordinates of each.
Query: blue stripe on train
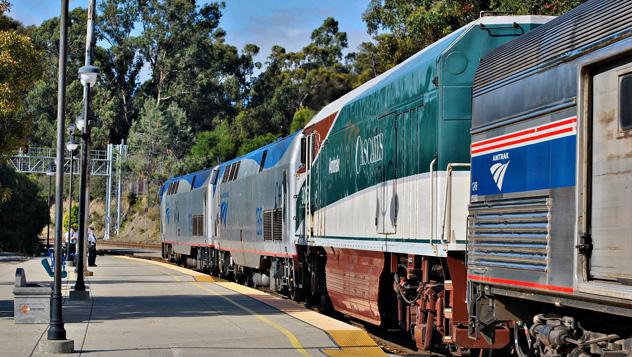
column 545, row 165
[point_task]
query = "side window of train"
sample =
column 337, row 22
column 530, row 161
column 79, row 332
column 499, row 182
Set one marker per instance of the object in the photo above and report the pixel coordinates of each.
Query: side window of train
column 303, row 150
column 263, row 160
column 625, row 102
column 193, row 182
column 214, row 177
column 226, row 173
column 235, row 170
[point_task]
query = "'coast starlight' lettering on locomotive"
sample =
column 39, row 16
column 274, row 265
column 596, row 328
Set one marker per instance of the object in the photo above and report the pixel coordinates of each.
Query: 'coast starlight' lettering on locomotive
column 369, row 151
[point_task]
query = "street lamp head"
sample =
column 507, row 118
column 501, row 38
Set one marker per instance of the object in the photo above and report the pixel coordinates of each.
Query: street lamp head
column 88, row 75
column 71, row 145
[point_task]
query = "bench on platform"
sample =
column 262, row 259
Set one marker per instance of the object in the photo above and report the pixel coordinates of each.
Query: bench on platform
column 50, row 270
column 31, row 301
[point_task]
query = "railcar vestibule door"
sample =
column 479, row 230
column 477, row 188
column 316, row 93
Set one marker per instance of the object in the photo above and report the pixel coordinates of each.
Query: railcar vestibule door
column 611, row 173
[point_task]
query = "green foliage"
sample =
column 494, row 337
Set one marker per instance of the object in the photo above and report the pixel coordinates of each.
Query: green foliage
column 202, row 101
column 41, row 100
column 402, row 28
column 300, row 118
column 19, row 68
column 23, row 214
column 211, row 147
column 310, row 78
column 255, row 143
column 74, row 222
column 158, row 139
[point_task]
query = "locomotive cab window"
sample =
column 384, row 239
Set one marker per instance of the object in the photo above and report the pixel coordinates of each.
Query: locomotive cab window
column 263, row 160
column 214, row 177
column 625, row 102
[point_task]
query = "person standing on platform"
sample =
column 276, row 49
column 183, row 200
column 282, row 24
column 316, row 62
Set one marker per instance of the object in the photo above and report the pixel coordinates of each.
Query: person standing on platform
column 92, row 248
column 71, row 240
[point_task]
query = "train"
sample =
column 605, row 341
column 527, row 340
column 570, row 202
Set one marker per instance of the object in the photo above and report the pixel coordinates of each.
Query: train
column 474, row 197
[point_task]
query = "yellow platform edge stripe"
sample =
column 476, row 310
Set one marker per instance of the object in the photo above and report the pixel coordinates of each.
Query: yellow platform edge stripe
column 351, row 340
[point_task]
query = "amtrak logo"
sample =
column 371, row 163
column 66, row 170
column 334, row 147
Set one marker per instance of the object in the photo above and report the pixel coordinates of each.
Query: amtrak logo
column 498, row 171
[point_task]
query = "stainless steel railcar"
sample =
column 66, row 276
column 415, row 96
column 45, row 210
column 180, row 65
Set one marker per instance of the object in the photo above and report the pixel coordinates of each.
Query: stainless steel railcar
column 550, row 228
column 184, row 209
column 236, row 219
column 256, row 197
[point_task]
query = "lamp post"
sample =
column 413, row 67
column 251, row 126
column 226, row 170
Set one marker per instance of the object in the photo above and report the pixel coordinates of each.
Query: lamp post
column 88, row 76
column 56, row 330
column 50, row 173
column 71, row 146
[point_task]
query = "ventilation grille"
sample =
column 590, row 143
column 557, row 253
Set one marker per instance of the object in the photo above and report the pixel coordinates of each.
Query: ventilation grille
column 277, row 233
column 273, row 224
column 510, row 233
column 588, row 26
column 267, row 224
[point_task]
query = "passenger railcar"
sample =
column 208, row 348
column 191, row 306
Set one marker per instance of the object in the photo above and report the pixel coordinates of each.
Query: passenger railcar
column 387, row 186
column 550, row 229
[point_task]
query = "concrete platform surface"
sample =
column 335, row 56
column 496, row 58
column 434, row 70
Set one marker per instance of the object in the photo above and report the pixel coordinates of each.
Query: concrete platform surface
column 143, row 308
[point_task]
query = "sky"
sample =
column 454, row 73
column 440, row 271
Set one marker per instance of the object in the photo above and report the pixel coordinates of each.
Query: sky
column 287, row 23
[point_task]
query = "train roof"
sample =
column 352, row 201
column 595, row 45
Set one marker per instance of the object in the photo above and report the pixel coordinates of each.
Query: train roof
column 587, row 27
column 275, row 149
column 411, row 63
column 196, row 179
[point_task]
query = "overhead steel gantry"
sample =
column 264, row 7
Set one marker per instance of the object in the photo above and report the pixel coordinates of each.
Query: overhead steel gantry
column 38, row 160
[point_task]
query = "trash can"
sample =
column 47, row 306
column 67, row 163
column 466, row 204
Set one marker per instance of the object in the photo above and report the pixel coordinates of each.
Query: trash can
column 31, row 301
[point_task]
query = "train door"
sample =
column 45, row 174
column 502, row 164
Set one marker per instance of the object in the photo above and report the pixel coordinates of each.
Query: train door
column 381, row 148
column 610, row 173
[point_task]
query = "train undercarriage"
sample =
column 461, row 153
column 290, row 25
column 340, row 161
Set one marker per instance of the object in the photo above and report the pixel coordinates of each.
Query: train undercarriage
column 425, row 299
column 277, row 273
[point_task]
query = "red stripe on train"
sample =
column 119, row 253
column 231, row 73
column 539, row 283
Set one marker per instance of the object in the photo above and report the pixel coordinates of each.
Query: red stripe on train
column 525, row 284
column 525, row 132
column 520, row 141
column 189, row 244
column 259, row 252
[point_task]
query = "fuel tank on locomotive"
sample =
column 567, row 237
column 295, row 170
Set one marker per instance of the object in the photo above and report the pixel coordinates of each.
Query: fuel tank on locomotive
column 549, row 228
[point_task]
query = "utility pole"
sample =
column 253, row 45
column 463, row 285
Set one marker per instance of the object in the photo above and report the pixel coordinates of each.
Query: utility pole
column 88, row 75
column 119, row 160
column 108, row 195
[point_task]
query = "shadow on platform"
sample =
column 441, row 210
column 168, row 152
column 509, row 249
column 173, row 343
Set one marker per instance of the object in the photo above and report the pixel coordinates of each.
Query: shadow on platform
column 165, row 306
column 6, row 309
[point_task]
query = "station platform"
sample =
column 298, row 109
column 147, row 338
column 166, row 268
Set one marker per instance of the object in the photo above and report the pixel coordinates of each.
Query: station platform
column 146, row 308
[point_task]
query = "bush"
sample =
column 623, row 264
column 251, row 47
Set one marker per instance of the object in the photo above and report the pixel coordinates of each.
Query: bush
column 74, row 211
column 23, row 212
